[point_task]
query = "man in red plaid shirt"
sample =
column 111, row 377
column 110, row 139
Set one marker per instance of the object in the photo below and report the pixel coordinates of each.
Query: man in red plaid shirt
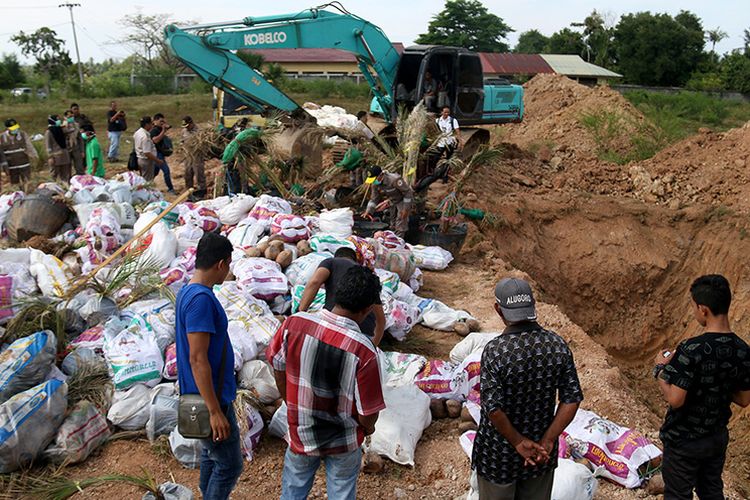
column 327, row 372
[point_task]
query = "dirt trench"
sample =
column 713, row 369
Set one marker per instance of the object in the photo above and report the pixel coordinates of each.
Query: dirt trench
column 621, row 269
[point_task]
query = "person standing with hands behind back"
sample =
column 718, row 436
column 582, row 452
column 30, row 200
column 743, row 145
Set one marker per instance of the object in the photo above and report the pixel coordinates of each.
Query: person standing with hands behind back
column 700, row 380
column 524, row 372
column 205, row 362
column 116, row 125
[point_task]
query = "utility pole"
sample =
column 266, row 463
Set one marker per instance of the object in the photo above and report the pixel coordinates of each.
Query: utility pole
column 75, row 38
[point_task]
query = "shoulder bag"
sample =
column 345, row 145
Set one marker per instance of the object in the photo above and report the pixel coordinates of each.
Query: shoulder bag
column 193, row 419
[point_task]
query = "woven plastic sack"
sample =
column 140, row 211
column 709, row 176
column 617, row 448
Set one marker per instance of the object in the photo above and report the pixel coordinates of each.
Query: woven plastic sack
column 431, row 258
column 85, row 182
column 439, row 316
column 399, row 368
column 401, row 261
column 237, row 209
column 134, row 356
column 247, row 233
column 400, row 317
column 301, row 270
column 442, row 380
column 159, row 245
column 170, row 363
column 238, row 303
column 317, row 304
column 329, row 243
column 162, row 411
column 6, row 203
column 267, row 207
column 171, row 491
column 130, row 408
column 26, row 363
column 202, row 217
column 400, row 425
column 251, row 429
column 291, row 228
column 473, row 342
column 389, row 281
column 261, row 277
column 186, row 451
column 50, row 273
column 573, row 481
column 188, row 237
column 616, row 452
column 256, row 376
column 157, row 315
column 244, row 346
column 29, row 421
column 390, row 240
column 84, row 430
column 155, row 208
column 102, row 230
column 365, row 251
column 337, row 222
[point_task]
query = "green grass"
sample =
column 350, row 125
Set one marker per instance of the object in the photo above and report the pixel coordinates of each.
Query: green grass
column 681, row 115
column 33, row 115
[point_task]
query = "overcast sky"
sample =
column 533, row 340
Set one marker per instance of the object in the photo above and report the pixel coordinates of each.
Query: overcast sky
column 98, row 28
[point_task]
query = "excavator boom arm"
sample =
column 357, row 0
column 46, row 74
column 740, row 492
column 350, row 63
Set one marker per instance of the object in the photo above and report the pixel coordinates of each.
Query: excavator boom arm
column 208, row 50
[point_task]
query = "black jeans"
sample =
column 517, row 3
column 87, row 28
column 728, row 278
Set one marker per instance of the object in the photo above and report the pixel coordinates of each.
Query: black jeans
column 695, row 465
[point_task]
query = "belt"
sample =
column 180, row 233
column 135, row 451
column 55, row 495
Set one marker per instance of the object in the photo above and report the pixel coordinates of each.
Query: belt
column 14, row 167
column 11, row 151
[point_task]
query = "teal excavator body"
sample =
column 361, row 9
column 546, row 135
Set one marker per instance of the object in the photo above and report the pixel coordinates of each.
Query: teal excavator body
column 395, row 79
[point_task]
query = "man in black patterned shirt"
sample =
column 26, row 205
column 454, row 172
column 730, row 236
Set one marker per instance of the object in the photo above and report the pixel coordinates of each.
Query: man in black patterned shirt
column 524, row 372
column 700, row 381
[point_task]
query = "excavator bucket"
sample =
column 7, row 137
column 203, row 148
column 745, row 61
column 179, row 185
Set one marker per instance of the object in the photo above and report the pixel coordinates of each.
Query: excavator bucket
column 473, row 139
column 303, row 144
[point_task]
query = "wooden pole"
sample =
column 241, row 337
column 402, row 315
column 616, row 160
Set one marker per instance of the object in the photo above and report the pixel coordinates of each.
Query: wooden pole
column 81, row 281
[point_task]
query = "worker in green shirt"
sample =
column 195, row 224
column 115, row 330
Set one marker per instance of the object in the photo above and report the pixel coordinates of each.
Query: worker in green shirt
column 94, row 159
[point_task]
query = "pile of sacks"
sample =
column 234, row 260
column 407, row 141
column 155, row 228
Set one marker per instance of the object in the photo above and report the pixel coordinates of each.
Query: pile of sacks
column 275, row 254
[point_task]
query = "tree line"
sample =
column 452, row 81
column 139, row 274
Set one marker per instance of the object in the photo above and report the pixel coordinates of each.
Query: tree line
column 646, row 48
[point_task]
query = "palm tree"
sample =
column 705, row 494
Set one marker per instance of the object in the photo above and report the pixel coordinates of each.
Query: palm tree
column 715, row 36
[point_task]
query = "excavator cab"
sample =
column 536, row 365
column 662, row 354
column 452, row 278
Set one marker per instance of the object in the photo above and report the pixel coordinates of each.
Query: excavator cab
column 441, row 76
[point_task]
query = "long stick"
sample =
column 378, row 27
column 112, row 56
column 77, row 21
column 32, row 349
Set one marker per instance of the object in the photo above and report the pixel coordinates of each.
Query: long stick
column 124, row 247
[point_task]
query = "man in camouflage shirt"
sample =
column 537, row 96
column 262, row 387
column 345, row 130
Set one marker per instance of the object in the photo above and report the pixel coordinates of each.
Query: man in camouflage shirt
column 524, row 372
column 700, row 380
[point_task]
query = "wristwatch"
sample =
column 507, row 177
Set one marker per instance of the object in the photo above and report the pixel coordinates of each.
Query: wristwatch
column 657, row 370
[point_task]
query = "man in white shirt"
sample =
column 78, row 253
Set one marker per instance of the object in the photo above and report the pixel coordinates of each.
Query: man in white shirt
column 450, row 138
column 145, row 149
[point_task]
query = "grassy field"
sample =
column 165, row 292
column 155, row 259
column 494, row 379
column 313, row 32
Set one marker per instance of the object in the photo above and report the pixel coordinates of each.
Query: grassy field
column 681, row 115
column 32, row 115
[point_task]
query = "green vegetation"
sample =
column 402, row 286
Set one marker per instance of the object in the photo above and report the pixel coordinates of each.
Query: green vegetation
column 680, row 115
column 609, row 129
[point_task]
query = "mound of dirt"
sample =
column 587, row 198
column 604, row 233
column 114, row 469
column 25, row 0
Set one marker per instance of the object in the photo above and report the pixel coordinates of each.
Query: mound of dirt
column 554, row 109
column 708, row 168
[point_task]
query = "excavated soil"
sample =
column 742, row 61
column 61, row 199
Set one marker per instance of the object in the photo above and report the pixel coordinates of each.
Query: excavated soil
column 553, row 110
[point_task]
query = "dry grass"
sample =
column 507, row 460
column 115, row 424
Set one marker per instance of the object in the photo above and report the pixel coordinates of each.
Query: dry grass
column 91, row 382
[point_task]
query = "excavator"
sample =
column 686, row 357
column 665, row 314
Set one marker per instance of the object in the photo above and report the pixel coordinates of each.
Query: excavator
column 396, row 80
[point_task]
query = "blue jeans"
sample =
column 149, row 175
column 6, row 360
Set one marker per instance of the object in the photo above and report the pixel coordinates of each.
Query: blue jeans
column 221, row 463
column 341, row 475
column 114, row 145
column 164, row 168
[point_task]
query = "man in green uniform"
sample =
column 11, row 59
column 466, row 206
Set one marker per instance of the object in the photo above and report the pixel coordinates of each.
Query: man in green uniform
column 94, row 159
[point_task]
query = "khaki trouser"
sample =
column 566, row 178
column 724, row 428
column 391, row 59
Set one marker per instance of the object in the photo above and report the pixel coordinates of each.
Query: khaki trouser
column 61, row 172
column 535, row 488
column 197, row 170
column 399, row 218
column 79, row 163
column 19, row 175
column 148, row 170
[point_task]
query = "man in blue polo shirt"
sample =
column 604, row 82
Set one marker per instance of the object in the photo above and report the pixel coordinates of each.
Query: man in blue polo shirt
column 205, row 365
